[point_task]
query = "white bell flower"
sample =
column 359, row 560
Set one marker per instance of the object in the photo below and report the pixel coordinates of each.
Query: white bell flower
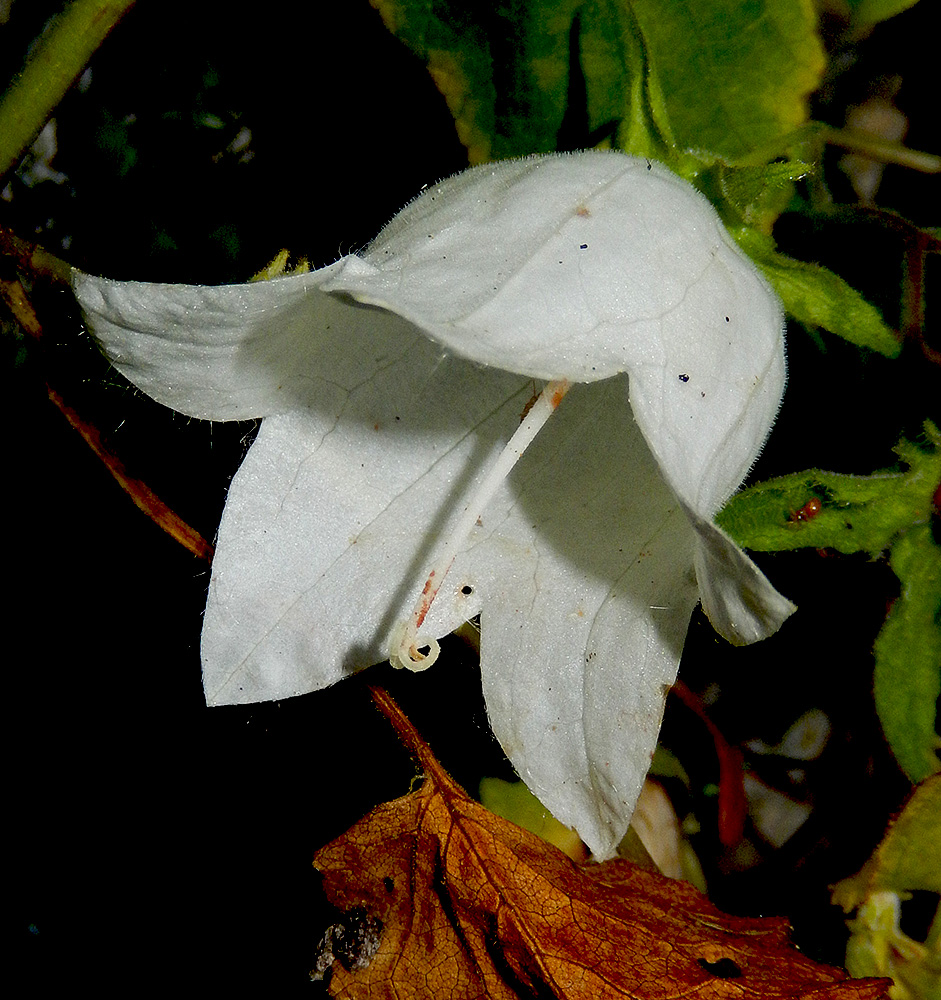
column 382, row 504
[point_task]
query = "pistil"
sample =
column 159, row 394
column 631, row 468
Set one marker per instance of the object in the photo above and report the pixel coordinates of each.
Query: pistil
column 411, row 650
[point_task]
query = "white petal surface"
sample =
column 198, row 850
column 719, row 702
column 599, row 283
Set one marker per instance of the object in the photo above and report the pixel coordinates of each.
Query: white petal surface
column 575, row 680
column 738, row 599
column 234, row 352
column 332, row 521
column 585, row 266
column 584, row 575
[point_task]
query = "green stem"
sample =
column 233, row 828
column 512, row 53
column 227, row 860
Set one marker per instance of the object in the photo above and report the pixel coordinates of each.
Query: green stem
column 877, row 148
column 56, row 62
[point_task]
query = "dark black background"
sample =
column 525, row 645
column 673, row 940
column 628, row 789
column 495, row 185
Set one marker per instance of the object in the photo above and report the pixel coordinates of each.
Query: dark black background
column 158, row 841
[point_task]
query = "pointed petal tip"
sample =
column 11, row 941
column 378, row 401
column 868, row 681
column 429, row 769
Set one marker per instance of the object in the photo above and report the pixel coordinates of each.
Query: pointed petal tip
column 738, row 599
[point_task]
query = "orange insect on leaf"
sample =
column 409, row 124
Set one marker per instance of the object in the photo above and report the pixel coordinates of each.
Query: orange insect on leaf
column 809, row 511
column 446, row 900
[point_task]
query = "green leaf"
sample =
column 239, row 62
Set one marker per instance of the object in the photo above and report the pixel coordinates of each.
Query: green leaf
column 818, row 297
column 730, row 77
column 829, row 510
column 533, row 76
column 457, row 52
column 908, row 656
column 637, row 134
column 513, row 801
column 504, row 71
column 724, row 79
column 866, row 13
column 758, row 195
column 887, row 510
column 908, row 859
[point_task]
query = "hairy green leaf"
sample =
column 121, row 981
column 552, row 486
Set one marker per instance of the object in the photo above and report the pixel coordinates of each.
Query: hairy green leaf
column 758, row 195
column 887, row 510
column 829, row 510
column 818, row 297
column 908, row 656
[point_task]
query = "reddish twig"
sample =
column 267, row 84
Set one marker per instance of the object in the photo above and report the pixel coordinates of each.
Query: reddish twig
column 15, row 296
column 732, row 805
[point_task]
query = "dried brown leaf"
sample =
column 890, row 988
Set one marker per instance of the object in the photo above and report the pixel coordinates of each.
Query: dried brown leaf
column 446, row 900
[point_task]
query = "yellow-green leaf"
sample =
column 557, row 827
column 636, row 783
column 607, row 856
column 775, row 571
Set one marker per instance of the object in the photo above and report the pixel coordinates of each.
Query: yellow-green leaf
column 866, row 13
column 818, row 297
column 513, row 801
column 908, row 859
column 731, row 77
